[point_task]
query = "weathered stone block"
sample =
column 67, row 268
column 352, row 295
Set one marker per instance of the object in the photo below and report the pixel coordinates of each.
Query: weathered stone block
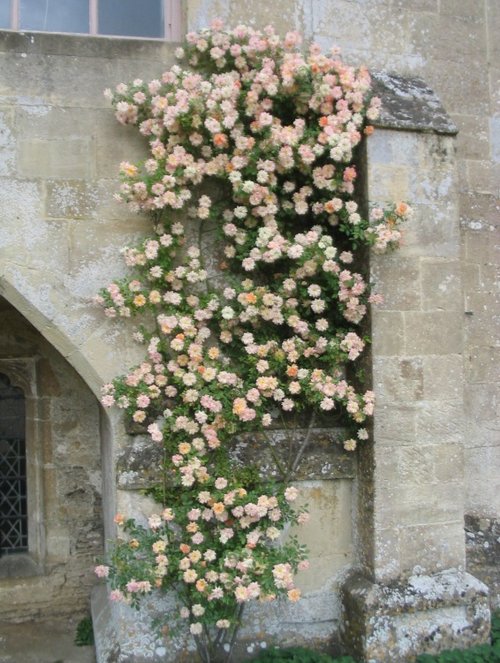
column 72, row 199
column 7, row 142
column 433, row 231
column 494, row 79
column 398, row 380
column 493, row 29
column 443, row 377
column 57, row 158
column 386, row 561
column 389, row 182
column 433, row 333
column 387, row 333
column 440, row 422
column 482, row 364
column 428, row 613
column 395, row 425
column 462, row 8
column 473, row 138
column 432, row 547
column 439, row 36
column 449, row 467
column 482, row 479
column 481, row 247
column 441, row 285
column 398, row 278
column 416, row 467
column 480, row 328
column 139, row 463
column 468, row 95
column 483, row 552
column 328, row 533
column 116, row 143
column 413, row 508
column 480, row 210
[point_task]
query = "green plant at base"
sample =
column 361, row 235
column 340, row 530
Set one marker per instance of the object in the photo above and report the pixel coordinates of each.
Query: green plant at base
column 299, row 655
column 84, row 633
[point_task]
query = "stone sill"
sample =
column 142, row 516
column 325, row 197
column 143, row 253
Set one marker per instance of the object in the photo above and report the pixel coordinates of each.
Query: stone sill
column 101, row 46
column 19, row 565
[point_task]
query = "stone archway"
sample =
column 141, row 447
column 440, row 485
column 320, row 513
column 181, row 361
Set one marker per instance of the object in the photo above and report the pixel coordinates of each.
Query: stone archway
column 52, row 573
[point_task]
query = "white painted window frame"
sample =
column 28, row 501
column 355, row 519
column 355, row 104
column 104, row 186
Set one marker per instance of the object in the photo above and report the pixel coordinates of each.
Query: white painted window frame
column 171, row 29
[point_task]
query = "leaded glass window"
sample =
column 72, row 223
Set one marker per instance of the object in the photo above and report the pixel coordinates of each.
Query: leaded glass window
column 13, row 480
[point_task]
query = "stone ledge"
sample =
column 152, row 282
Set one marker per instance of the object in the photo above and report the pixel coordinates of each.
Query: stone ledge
column 19, row 565
column 84, row 45
column 394, row 623
column 139, row 464
column 409, row 104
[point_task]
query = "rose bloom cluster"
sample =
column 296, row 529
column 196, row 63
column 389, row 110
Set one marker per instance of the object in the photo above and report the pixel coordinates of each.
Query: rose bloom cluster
column 274, row 131
column 219, row 551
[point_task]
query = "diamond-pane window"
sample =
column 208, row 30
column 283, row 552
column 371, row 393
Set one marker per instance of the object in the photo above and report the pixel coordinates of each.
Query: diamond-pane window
column 13, row 483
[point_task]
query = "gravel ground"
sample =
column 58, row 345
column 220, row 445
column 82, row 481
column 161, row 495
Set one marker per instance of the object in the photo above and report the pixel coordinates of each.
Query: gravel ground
column 42, row 642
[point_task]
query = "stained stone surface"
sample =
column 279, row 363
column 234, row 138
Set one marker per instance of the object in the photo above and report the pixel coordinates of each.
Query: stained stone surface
column 139, row 463
column 482, row 541
column 425, row 614
column 410, row 104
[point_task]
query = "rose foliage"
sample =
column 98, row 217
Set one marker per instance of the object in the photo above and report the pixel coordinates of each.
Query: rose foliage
column 257, row 140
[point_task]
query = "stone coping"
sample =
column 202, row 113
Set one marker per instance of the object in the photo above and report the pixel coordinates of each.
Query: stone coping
column 409, row 104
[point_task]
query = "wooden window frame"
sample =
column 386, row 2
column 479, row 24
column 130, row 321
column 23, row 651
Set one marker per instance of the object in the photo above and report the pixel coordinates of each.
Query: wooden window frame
column 171, row 28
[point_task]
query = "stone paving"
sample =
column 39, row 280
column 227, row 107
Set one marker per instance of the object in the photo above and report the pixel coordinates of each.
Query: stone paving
column 42, row 642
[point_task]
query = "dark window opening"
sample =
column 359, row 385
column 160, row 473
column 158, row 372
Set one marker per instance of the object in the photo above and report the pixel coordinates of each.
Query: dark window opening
column 13, row 481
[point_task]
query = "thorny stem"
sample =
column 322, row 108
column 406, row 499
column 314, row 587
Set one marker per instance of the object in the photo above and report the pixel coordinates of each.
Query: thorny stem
column 235, row 632
column 202, row 649
column 303, row 446
column 218, row 637
column 164, row 477
column 290, row 435
column 277, row 461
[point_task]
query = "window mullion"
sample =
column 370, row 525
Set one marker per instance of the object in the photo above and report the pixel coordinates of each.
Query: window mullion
column 172, row 10
column 14, row 14
column 93, row 20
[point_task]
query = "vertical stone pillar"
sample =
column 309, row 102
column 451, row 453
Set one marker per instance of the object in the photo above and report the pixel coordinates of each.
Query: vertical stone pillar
column 413, row 594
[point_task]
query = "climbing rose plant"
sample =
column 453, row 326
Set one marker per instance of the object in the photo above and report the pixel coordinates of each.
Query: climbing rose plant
column 267, row 343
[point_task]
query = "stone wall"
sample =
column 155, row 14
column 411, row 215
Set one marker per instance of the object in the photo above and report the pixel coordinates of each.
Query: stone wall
column 453, row 45
column 64, row 479
column 435, row 347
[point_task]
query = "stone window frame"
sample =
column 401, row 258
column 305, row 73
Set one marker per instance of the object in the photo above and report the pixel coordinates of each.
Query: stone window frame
column 22, row 373
column 172, row 25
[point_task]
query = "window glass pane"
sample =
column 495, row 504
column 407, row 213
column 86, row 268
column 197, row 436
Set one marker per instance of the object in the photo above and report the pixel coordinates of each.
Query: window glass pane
column 4, row 13
column 131, row 18
column 54, row 15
